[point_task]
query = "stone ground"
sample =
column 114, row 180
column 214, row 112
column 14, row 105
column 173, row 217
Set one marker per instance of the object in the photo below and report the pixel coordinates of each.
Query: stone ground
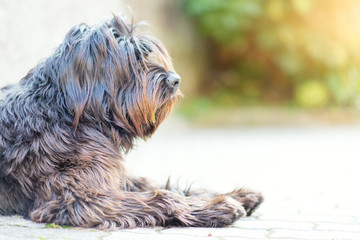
column 309, row 176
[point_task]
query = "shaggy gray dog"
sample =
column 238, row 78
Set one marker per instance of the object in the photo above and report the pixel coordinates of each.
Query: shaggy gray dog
column 65, row 126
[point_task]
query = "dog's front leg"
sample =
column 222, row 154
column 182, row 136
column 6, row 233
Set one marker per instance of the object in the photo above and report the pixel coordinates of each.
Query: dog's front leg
column 84, row 198
column 85, row 203
column 208, row 209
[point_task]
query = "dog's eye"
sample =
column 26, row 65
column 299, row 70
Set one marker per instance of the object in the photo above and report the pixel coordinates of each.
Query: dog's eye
column 143, row 51
column 116, row 35
column 146, row 49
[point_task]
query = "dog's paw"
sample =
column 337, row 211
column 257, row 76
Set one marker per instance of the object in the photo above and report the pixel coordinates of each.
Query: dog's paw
column 250, row 200
column 220, row 212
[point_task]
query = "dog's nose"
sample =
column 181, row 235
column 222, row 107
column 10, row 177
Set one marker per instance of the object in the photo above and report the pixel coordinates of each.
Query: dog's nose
column 173, row 79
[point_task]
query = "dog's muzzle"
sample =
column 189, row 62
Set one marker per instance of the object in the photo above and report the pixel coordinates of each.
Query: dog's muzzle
column 173, row 80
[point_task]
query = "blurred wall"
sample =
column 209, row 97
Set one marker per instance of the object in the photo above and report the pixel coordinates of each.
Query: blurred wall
column 30, row 30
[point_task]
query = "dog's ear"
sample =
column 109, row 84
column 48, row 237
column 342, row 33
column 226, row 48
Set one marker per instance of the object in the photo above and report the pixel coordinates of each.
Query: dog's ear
column 82, row 59
column 72, row 78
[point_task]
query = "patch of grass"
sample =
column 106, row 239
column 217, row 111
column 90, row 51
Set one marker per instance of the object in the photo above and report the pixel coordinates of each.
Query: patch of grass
column 208, row 112
column 54, row 225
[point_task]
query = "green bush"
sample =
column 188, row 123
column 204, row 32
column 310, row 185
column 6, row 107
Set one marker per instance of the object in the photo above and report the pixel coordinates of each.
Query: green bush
column 267, row 50
column 312, row 94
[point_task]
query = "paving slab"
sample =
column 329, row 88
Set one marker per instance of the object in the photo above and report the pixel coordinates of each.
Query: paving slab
column 307, row 175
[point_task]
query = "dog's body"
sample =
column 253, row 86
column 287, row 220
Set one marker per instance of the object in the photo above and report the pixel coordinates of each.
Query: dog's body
column 64, row 127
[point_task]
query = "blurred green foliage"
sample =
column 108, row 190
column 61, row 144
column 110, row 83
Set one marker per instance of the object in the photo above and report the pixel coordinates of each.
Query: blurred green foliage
column 299, row 52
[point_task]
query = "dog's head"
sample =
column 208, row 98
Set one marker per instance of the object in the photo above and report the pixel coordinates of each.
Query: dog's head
column 109, row 74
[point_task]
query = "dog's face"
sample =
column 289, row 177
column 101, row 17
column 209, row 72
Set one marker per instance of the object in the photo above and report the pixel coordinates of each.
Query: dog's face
column 110, row 75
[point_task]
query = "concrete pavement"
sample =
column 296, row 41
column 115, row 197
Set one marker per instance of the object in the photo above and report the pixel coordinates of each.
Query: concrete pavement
column 309, row 177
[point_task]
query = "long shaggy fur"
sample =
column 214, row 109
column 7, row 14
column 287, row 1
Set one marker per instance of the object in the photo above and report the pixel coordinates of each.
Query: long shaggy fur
column 65, row 126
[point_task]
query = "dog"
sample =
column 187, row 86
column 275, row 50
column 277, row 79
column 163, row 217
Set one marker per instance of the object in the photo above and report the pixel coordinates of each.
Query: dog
column 65, row 127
